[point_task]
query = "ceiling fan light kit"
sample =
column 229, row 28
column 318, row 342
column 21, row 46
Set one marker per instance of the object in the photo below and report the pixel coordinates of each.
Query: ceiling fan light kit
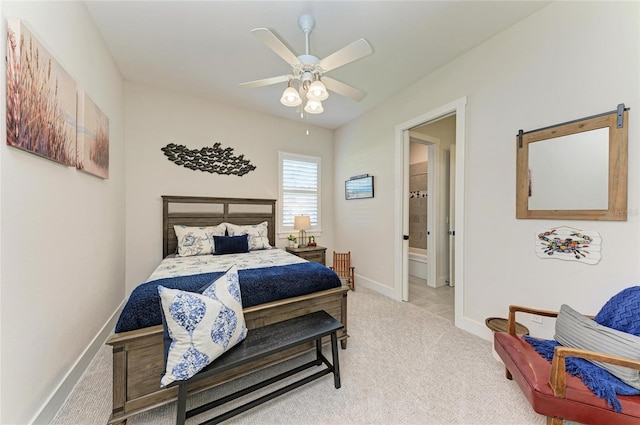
column 317, row 91
column 290, row 97
column 314, row 107
column 308, row 71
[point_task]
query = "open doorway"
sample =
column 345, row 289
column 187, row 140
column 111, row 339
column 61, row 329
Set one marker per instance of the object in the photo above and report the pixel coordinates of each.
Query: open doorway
column 429, row 216
column 439, row 231
column 423, row 169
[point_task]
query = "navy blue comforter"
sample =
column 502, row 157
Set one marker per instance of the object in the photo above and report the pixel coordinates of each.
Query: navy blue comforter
column 257, row 286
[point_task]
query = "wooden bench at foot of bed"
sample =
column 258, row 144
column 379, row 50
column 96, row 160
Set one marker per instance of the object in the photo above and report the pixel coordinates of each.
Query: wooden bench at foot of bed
column 270, row 339
column 138, row 356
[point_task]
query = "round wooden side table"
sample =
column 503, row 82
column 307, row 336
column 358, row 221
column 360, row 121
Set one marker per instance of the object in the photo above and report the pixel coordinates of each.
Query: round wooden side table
column 499, row 324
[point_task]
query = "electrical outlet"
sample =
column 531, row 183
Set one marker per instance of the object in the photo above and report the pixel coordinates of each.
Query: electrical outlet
column 536, row 319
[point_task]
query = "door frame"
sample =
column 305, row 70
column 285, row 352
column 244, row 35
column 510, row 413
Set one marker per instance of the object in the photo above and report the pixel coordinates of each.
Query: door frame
column 457, row 107
column 452, row 214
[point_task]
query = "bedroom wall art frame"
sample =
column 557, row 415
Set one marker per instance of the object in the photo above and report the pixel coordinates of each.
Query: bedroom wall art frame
column 41, row 98
column 93, row 138
column 359, row 187
column 611, row 140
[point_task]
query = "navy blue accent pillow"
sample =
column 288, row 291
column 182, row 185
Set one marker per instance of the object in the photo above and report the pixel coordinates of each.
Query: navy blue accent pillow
column 231, row 244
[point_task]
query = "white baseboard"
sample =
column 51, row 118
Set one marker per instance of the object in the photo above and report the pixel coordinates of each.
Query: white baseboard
column 480, row 330
column 51, row 407
column 476, row 328
column 376, row 286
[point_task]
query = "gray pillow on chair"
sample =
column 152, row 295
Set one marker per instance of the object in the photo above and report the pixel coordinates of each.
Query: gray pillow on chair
column 577, row 331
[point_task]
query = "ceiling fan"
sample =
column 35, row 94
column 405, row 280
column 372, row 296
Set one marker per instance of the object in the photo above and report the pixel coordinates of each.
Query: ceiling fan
column 308, row 80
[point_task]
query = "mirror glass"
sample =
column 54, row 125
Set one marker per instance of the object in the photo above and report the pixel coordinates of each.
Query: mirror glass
column 570, row 172
column 574, row 171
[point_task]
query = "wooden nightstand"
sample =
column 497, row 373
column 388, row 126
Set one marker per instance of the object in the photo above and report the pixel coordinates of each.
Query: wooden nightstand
column 311, row 253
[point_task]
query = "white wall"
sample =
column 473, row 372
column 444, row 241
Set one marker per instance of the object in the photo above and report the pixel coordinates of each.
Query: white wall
column 156, row 118
column 569, row 60
column 62, row 262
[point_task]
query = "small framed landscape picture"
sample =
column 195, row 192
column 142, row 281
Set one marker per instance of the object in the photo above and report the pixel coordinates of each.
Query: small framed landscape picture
column 358, row 187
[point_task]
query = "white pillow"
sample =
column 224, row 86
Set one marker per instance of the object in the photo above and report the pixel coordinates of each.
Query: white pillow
column 201, row 326
column 258, row 235
column 197, row 240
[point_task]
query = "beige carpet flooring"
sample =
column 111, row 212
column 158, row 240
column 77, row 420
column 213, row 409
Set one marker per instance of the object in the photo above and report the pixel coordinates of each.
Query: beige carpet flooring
column 405, row 364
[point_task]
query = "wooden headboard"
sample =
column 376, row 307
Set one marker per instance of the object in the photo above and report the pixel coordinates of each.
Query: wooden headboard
column 205, row 211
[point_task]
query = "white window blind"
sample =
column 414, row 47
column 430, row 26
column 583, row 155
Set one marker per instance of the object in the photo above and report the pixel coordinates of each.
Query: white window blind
column 299, row 189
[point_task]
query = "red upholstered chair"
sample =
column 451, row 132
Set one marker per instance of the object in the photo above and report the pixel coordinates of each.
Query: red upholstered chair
column 550, row 390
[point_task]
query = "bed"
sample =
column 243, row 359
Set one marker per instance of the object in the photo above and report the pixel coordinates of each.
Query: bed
column 138, row 358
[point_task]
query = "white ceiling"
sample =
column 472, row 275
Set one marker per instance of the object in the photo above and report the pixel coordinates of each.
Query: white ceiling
column 205, row 48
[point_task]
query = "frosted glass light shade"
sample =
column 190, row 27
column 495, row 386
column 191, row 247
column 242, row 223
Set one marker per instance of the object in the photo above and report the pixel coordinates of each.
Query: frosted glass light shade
column 290, row 97
column 317, row 91
column 314, row 107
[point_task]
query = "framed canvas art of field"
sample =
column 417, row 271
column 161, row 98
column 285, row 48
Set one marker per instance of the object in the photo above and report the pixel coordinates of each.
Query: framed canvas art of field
column 41, row 99
column 93, row 138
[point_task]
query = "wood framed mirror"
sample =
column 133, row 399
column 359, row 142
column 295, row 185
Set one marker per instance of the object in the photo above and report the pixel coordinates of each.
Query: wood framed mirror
column 575, row 170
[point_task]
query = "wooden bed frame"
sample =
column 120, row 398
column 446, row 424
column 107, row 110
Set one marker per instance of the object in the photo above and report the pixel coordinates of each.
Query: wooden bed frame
column 138, row 356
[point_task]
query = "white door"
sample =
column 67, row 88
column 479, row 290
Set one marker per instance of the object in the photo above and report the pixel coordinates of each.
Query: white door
column 405, row 216
column 452, row 215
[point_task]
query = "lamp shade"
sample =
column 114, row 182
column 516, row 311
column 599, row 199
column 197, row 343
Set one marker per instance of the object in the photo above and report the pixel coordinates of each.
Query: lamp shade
column 302, row 222
column 290, row 97
column 314, row 107
column 317, row 91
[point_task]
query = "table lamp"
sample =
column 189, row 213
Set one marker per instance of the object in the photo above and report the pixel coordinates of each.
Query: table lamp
column 302, row 223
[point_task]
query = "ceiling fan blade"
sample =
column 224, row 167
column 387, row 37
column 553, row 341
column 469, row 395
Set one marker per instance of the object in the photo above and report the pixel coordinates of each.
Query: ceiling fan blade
column 354, row 51
column 343, row 89
column 274, row 43
column 266, row 81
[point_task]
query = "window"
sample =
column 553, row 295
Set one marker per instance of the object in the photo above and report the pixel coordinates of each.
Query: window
column 299, row 191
